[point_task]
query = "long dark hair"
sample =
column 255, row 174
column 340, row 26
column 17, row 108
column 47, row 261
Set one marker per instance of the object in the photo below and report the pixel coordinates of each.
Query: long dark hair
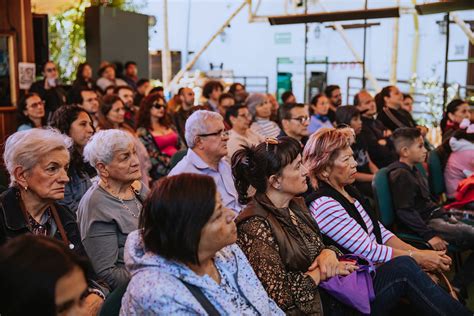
column 252, row 166
column 175, row 213
column 451, row 108
column 380, row 98
column 107, row 103
column 22, row 118
column 62, row 120
column 314, row 101
column 144, row 117
column 80, row 80
column 30, row 267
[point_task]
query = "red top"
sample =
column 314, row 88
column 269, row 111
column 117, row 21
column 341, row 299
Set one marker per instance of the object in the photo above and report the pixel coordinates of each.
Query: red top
column 167, row 143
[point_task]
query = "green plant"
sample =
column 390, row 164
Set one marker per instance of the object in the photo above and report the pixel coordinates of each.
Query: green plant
column 67, row 46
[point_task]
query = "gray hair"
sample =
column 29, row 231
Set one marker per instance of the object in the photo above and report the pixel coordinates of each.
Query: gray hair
column 197, row 124
column 103, row 145
column 27, row 148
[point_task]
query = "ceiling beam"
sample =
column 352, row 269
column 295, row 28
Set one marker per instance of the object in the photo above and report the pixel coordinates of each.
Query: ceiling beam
column 391, row 12
column 445, row 6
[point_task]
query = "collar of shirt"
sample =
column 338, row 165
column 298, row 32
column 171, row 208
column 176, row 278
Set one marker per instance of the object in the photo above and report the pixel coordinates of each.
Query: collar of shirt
column 198, row 162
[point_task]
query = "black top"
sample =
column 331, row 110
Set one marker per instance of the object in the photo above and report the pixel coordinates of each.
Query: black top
column 331, row 115
column 361, row 155
column 412, row 201
column 13, row 224
column 393, row 119
column 381, row 149
column 283, row 134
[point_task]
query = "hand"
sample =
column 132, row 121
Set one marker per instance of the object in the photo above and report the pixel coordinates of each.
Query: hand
column 327, row 263
column 387, row 133
column 345, row 268
column 315, row 275
column 92, row 304
column 431, row 260
column 438, row 243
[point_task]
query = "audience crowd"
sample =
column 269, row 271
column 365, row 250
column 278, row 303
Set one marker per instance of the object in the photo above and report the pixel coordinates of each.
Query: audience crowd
column 231, row 205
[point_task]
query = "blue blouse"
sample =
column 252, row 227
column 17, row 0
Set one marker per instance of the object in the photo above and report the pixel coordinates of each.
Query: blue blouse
column 156, row 287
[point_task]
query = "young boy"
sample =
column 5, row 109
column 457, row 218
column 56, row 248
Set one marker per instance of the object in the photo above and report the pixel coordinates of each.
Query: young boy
column 415, row 208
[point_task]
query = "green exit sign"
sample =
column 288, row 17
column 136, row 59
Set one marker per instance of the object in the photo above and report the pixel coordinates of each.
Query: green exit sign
column 283, row 38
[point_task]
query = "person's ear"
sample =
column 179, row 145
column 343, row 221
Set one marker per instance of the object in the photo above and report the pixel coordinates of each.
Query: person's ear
column 275, row 182
column 232, row 120
column 102, row 170
column 385, row 99
column 326, row 172
column 20, row 175
column 198, row 143
column 404, row 152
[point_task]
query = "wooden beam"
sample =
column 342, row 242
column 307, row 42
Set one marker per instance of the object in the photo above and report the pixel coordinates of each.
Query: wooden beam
column 391, row 12
column 445, row 6
column 354, row 26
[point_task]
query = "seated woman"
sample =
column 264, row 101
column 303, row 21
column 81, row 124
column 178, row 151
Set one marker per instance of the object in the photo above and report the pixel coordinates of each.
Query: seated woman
column 286, row 250
column 158, row 135
column 350, row 116
column 276, row 231
column 348, row 223
column 40, row 275
column 319, row 109
column 456, row 111
column 109, row 210
column 184, row 256
column 75, row 122
column 31, row 112
column 37, row 161
column 460, row 163
column 112, row 116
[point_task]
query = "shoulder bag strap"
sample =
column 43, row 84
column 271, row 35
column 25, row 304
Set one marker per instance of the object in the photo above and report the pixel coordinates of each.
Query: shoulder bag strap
column 60, row 226
column 392, row 117
column 201, row 298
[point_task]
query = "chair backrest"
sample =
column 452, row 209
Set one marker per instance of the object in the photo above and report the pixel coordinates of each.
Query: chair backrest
column 436, row 176
column 177, row 157
column 383, row 197
column 111, row 306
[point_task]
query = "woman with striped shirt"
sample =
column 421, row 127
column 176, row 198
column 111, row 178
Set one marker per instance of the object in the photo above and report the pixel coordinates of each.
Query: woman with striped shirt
column 346, row 221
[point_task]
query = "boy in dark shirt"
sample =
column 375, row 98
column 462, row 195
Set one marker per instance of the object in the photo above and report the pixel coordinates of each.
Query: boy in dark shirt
column 415, row 209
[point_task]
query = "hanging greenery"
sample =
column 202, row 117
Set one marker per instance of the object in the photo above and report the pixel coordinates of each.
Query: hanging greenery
column 67, row 44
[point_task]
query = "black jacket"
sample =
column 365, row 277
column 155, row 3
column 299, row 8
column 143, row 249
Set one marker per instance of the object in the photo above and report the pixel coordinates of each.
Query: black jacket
column 372, row 133
column 13, row 224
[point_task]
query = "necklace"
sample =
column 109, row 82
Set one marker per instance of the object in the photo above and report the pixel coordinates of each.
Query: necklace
column 139, row 207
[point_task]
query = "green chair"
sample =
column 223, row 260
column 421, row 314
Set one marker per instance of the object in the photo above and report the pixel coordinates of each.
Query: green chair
column 386, row 214
column 177, row 157
column 384, row 207
column 436, row 176
column 112, row 304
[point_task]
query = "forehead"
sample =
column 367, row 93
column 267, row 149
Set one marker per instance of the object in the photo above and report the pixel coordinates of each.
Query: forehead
column 299, row 111
column 243, row 110
column 49, row 65
column 188, row 91
column 87, row 93
column 83, row 116
column 33, row 99
column 214, row 122
column 60, row 155
column 117, row 104
column 365, row 96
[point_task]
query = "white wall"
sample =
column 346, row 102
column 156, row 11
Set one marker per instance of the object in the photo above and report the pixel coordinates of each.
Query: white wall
column 250, row 48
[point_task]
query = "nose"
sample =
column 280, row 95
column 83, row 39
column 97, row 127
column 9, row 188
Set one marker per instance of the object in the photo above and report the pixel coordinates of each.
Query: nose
column 63, row 177
column 89, row 130
column 135, row 161
column 304, row 170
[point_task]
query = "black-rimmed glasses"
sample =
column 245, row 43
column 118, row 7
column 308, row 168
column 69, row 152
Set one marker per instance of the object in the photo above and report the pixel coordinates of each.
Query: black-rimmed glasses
column 222, row 133
column 301, row 119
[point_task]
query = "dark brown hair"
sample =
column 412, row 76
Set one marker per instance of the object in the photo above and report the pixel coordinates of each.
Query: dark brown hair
column 144, row 117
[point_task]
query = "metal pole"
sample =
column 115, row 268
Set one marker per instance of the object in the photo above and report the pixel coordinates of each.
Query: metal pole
column 305, row 97
column 165, row 53
column 445, row 86
column 186, row 47
column 363, row 52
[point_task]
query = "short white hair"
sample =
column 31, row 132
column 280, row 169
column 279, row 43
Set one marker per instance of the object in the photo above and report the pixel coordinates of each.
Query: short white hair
column 103, row 145
column 196, row 125
column 27, row 148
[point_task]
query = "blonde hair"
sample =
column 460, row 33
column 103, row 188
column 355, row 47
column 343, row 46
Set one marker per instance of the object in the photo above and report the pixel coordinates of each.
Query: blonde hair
column 26, row 148
column 322, row 149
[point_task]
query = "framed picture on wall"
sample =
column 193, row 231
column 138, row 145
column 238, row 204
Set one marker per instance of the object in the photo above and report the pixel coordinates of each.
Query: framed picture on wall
column 8, row 82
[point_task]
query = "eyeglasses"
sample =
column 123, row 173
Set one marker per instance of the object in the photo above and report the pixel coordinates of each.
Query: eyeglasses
column 301, row 119
column 36, row 104
column 222, row 133
column 50, row 69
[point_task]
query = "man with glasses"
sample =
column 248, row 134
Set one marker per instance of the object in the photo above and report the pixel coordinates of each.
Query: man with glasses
column 207, row 139
column 295, row 121
column 239, row 118
column 49, row 89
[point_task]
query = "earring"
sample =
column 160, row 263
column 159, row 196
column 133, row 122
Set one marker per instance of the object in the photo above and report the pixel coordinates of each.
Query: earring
column 26, row 188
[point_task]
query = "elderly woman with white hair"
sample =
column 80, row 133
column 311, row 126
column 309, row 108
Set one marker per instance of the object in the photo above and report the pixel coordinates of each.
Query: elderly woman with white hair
column 109, row 210
column 37, row 162
column 207, row 138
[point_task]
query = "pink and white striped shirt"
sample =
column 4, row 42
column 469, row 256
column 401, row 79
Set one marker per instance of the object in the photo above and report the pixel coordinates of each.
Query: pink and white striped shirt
column 337, row 224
